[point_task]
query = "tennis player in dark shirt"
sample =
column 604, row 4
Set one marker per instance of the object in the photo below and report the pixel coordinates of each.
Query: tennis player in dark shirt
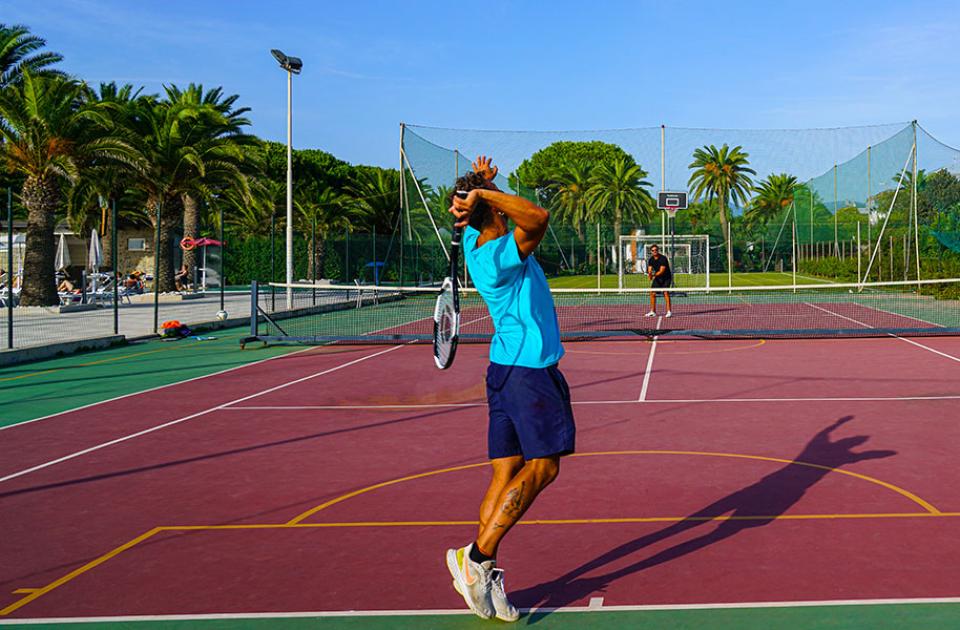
column 658, row 270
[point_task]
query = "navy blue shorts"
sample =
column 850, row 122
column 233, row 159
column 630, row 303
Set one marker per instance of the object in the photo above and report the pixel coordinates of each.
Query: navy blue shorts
column 530, row 412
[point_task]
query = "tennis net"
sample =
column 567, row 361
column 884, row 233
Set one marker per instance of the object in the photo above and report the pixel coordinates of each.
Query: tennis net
column 385, row 314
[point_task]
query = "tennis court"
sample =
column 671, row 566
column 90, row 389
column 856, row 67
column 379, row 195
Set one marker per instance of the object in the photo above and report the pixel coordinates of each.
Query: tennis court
column 747, row 482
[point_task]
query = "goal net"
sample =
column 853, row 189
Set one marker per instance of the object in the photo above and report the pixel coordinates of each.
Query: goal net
column 688, row 255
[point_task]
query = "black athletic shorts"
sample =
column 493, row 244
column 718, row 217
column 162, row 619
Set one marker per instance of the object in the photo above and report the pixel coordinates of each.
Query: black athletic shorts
column 661, row 282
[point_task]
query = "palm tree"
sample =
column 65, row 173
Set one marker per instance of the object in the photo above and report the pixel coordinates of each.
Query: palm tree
column 619, row 188
column 569, row 183
column 102, row 181
column 172, row 139
column 19, row 54
column 44, row 137
column 376, row 194
column 222, row 165
column 722, row 174
column 773, row 196
column 327, row 210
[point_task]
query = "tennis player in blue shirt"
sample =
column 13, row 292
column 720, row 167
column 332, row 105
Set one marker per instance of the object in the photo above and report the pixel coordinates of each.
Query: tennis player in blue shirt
column 530, row 418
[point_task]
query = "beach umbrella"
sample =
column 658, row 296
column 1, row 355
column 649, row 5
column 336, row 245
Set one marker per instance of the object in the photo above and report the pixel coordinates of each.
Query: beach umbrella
column 63, row 254
column 95, row 255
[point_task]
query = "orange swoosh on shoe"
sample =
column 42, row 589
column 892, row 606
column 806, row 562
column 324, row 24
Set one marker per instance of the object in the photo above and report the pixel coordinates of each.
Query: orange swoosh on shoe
column 469, row 579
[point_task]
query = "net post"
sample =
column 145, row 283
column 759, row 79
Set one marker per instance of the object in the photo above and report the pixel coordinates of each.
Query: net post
column 254, row 303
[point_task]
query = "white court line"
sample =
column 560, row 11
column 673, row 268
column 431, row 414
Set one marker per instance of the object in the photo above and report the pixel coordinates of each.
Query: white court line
column 646, row 373
column 599, row 402
column 190, row 417
column 153, row 389
column 904, row 339
column 463, row 611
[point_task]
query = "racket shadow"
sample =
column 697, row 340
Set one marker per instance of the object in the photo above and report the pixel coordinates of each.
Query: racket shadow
column 770, row 496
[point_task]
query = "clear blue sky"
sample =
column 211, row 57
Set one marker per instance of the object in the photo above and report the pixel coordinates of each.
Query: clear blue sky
column 526, row 65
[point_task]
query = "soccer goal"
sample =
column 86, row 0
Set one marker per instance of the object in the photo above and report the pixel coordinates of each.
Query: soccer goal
column 688, row 254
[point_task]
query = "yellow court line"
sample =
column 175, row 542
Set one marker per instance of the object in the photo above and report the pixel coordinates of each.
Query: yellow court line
column 34, row 593
column 79, row 571
column 905, row 493
column 377, row 486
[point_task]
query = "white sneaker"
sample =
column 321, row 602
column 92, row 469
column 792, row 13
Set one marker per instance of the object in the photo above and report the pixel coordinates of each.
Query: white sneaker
column 474, row 581
column 669, row 314
column 650, row 314
column 505, row 610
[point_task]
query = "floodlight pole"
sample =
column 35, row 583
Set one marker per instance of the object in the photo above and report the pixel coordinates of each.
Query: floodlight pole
column 289, row 189
column 292, row 65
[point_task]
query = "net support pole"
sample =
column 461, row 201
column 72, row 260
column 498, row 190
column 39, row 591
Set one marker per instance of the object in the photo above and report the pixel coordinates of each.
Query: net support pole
column 836, row 240
column 811, row 216
column 663, row 185
column 707, row 256
column 456, row 174
column 426, row 206
column 916, row 215
column 598, row 256
column 620, row 269
column 793, row 250
column 886, row 219
column 10, row 274
column 313, row 257
column 858, row 252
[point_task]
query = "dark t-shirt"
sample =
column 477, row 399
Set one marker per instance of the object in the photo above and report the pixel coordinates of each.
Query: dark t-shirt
column 654, row 265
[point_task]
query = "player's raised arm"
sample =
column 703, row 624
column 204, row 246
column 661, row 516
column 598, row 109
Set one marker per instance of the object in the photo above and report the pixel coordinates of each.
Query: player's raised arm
column 531, row 220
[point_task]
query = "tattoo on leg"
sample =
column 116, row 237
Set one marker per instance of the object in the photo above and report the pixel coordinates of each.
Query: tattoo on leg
column 513, row 506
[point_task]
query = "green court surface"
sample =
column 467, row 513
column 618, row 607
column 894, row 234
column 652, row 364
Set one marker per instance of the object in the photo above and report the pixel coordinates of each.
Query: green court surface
column 838, row 617
column 639, row 281
column 41, row 388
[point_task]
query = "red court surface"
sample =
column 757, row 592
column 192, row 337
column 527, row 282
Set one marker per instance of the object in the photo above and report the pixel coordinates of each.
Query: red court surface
column 707, row 472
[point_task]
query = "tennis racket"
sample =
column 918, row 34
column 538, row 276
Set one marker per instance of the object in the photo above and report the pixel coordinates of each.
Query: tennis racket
column 446, row 313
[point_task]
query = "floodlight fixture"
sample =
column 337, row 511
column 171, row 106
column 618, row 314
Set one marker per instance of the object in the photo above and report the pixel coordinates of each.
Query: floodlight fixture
column 290, row 64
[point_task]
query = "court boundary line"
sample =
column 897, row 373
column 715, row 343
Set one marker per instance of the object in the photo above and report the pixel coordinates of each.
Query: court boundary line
column 895, row 336
column 182, row 419
column 649, row 368
column 433, row 612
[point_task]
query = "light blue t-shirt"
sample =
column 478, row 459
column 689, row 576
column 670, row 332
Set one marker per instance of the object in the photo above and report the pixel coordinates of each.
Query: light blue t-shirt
column 518, row 298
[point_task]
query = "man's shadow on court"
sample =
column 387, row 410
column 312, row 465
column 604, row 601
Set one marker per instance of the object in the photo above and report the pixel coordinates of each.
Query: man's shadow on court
column 758, row 504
